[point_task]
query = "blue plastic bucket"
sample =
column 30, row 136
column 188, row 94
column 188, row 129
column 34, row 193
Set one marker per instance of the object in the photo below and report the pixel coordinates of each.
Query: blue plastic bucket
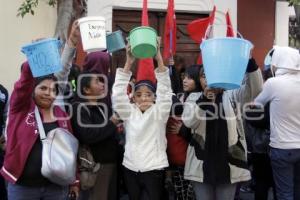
column 115, row 41
column 225, row 61
column 43, row 56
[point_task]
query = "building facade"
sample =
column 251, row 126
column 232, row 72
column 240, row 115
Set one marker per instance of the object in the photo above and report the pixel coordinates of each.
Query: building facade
column 264, row 23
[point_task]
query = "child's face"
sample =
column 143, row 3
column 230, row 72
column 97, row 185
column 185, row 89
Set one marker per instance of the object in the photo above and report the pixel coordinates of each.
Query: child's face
column 144, row 98
column 188, row 84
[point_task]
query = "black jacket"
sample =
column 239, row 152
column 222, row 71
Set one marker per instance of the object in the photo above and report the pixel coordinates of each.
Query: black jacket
column 257, row 129
column 92, row 127
column 3, row 104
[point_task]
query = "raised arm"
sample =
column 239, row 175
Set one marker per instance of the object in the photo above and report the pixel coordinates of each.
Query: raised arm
column 68, row 55
column 164, row 89
column 267, row 94
column 252, row 84
column 21, row 97
column 120, row 99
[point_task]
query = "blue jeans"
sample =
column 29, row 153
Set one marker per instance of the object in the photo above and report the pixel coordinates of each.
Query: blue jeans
column 286, row 171
column 49, row 192
column 209, row 192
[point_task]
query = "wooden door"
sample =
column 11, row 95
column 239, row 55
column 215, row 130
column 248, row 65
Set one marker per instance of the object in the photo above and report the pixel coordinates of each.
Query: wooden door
column 125, row 21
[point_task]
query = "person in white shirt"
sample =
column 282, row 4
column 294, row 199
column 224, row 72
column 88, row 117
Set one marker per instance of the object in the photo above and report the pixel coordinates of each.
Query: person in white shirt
column 145, row 126
column 283, row 93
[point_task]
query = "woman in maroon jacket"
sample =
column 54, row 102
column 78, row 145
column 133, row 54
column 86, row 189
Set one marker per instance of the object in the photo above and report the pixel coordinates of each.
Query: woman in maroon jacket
column 23, row 159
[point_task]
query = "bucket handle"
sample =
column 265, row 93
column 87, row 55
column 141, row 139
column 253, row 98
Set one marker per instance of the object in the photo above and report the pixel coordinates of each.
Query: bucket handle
column 209, row 28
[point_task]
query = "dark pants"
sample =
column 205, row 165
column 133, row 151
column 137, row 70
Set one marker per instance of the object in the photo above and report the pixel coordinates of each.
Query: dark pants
column 144, row 185
column 106, row 184
column 263, row 176
column 209, row 192
column 286, row 170
column 49, row 192
column 3, row 193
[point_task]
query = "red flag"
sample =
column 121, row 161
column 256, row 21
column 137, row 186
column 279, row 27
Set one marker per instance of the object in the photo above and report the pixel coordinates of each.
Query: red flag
column 170, row 32
column 145, row 69
column 197, row 28
column 230, row 32
column 145, row 21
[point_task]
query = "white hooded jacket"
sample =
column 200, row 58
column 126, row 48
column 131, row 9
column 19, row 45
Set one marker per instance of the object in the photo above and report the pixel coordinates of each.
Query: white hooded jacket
column 283, row 93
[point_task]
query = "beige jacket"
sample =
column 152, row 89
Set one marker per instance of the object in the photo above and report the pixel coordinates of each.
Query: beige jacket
column 195, row 118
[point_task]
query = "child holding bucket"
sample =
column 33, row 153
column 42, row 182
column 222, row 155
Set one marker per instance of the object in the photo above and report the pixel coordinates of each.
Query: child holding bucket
column 145, row 125
column 23, row 159
column 216, row 156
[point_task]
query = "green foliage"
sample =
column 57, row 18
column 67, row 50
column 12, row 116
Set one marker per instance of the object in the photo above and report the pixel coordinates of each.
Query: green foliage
column 294, row 2
column 28, row 6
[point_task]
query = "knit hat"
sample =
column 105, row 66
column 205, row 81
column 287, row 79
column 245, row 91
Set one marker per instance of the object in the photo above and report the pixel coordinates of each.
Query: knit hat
column 146, row 83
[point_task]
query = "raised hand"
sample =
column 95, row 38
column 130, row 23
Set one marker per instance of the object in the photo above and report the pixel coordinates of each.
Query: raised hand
column 129, row 58
column 74, row 35
column 158, row 56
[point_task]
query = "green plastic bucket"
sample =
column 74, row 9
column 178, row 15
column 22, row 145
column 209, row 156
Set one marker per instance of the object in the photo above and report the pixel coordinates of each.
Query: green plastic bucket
column 115, row 41
column 143, row 42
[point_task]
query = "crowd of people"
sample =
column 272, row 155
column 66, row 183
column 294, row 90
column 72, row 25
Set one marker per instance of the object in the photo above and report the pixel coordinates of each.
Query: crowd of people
column 169, row 138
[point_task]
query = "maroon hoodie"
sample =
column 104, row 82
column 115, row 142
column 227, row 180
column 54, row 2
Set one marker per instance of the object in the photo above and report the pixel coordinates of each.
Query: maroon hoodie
column 97, row 62
column 22, row 131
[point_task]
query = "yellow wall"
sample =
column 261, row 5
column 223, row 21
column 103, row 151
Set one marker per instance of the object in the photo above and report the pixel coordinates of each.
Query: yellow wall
column 15, row 32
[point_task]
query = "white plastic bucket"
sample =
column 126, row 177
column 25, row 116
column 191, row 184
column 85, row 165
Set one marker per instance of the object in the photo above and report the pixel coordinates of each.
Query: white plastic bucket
column 93, row 34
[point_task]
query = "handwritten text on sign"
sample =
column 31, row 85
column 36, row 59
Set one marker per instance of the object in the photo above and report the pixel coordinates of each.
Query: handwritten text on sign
column 44, row 61
column 96, row 31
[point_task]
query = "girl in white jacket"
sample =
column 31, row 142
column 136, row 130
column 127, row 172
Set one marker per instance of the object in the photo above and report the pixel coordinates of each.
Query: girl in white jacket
column 145, row 125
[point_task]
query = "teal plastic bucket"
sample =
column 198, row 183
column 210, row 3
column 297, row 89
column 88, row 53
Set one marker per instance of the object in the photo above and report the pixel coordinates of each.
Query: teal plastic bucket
column 115, row 41
column 143, row 42
column 225, row 61
column 43, row 56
